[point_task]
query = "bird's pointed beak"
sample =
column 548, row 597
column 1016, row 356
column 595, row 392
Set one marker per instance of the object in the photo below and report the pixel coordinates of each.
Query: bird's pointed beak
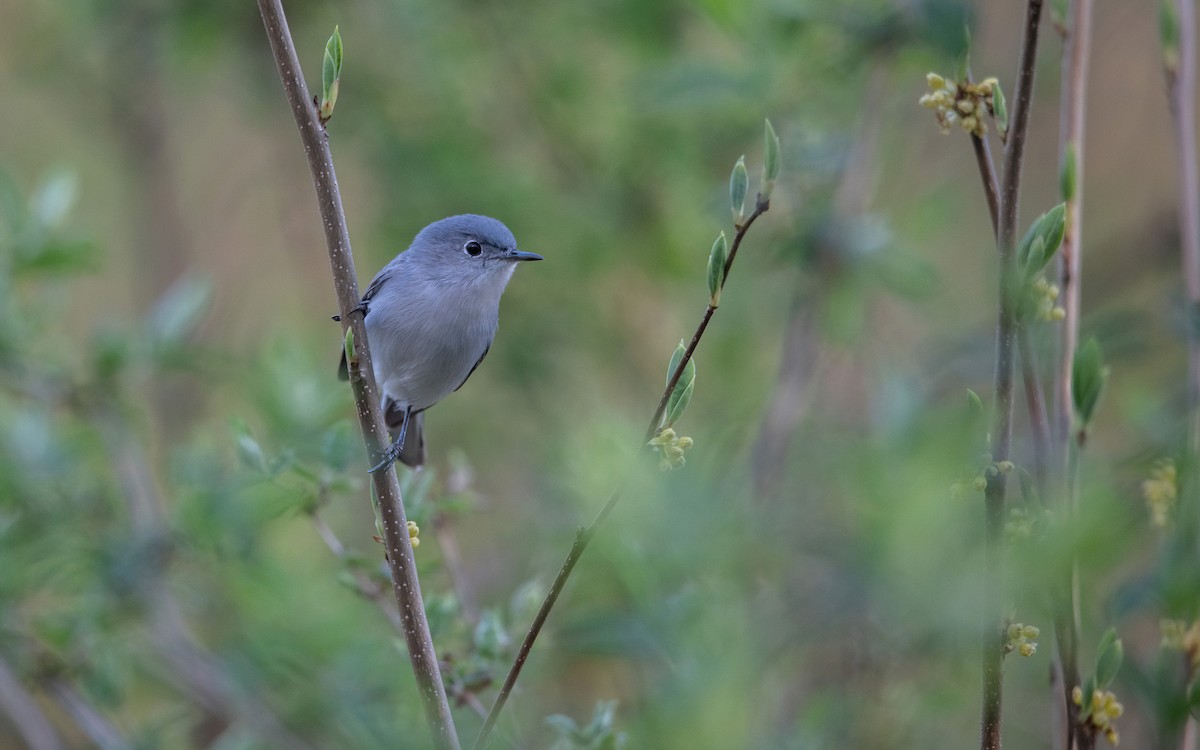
column 515, row 255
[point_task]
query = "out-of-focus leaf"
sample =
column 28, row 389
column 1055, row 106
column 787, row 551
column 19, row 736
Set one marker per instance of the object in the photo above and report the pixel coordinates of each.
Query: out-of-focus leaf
column 681, row 396
column 1088, row 379
column 1110, row 654
column 179, row 310
column 55, row 198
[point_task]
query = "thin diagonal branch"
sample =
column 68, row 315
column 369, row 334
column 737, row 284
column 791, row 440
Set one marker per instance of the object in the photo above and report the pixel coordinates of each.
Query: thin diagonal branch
column 992, row 651
column 405, row 584
column 584, row 535
column 27, row 716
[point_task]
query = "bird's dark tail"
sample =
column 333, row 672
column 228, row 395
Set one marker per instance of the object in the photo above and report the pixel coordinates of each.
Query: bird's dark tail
column 413, row 452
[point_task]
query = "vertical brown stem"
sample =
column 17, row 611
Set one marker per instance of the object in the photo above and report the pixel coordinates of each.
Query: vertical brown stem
column 1076, row 52
column 405, row 585
column 992, row 649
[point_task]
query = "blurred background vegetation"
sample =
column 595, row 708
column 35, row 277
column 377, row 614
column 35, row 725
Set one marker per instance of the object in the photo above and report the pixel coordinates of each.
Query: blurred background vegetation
column 186, row 554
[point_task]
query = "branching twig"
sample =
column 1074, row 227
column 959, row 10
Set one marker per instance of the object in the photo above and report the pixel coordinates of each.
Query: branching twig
column 584, row 535
column 363, row 584
column 1034, row 398
column 992, row 654
column 98, row 729
column 387, row 489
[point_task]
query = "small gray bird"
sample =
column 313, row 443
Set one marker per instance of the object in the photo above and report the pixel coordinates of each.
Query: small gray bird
column 431, row 315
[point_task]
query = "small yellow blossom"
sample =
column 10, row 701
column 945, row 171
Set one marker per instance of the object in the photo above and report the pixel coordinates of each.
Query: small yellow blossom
column 671, row 448
column 1020, row 639
column 1100, row 715
column 1178, row 635
column 1161, row 491
column 414, row 532
column 963, row 102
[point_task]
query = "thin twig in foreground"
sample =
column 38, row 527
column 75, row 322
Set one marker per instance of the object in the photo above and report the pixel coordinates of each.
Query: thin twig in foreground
column 1076, row 52
column 1182, row 91
column 27, row 716
column 584, row 535
column 992, row 650
column 405, row 584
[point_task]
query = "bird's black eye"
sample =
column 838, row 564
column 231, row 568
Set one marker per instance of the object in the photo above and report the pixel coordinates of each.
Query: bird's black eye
column 473, row 248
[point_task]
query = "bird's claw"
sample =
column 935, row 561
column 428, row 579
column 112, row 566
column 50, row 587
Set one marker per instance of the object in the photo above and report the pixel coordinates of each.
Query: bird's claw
column 390, row 455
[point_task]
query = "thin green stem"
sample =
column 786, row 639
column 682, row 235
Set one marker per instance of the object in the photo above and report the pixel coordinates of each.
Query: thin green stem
column 584, row 536
column 992, row 648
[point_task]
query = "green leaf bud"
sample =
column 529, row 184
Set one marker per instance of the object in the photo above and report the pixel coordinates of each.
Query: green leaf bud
column 682, row 393
column 1108, row 662
column 739, row 183
column 1042, row 240
column 1087, row 380
column 716, row 269
column 331, row 74
column 770, row 161
column 1000, row 110
column 1066, row 177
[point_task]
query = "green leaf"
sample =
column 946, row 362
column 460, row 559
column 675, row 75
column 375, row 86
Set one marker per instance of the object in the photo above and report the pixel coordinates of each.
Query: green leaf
column 962, row 70
column 249, row 451
column 1168, row 26
column 55, row 198
column 716, row 269
column 770, row 161
column 974, row 403
column 1111, row 653
column 682, row 394
column 1033, row 255
column 1089, row 689
column 331, row 74
column 1066, row 177
column 179, row 310
column 54, row 257
column 739, row 183
column 490, row 638
column 1000, row 110
column 348, row 347
column 1087, row 380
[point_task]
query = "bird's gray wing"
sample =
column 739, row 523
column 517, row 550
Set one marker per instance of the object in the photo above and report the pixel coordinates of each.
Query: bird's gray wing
column 372, row 289
column 475, row 366
column 384, row 274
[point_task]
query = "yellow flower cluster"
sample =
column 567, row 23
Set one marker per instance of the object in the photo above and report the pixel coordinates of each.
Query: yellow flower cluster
column 1161, row 491
column 1021, row 639
column 1179, row 636
column 1104, row 709
column 414, row 532
column 1046, row 295
column 958, row 490
column 965, row 103
column 1020, row 524
column 671, row 448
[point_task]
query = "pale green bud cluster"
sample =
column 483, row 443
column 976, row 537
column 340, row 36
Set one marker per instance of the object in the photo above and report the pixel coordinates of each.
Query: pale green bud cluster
column 1178, row 635
column 1161, row 491
column 980, row 481
column 964, row 103
column 1045, row 300
column 1021, row 638
column 414, row 534
column 1102, row 711
column 671, row 448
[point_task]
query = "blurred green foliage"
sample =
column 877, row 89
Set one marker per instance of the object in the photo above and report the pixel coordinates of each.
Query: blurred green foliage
column 185, row 528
